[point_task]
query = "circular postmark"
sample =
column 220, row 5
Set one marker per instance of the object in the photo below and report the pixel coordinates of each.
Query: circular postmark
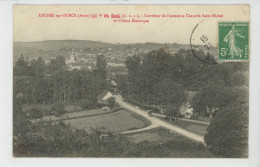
column 22, row 149
column 203, row 42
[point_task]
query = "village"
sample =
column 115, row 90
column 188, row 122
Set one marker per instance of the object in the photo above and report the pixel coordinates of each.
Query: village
column 134, row 91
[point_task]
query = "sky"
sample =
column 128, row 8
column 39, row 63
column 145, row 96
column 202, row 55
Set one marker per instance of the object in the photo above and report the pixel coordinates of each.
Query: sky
column 28, row 26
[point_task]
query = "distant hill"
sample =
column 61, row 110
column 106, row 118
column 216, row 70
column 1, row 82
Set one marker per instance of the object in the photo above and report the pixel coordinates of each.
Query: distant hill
column 53, row 45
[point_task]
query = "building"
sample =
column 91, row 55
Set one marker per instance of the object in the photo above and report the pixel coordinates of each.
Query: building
column 186, row 108
column 104, row 96
column 113, row 83
column 114, row 64
column 72, row 58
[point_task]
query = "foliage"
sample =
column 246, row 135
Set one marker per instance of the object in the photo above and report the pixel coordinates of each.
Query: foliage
column 21, row 120
column 59, row 109
column 36, row 113
column 151, row 79
column 147, row 72
column 20, row 68
column 157, row 78
column 171, row 111
column 239, row 78
column 86, row 104
column 59, row 140
column 227, row 135
column 101, row 66
column 142, row 105
column 213, row 96
column 111, row 103
column 56, row 64
column 171, row 93
column 47, row 83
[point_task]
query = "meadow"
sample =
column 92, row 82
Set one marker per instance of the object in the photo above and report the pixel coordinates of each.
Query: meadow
column 197, row 128
column 175, row 144
column 117, row 121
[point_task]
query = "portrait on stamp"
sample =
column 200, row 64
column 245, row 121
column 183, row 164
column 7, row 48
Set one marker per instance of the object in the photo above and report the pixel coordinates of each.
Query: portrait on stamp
column 235, row 44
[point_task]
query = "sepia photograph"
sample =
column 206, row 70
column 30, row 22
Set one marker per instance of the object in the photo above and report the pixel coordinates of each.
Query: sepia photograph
column 131, row 81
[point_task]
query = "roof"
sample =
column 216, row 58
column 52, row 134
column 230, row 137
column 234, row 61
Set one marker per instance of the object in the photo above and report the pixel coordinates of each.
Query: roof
column 113, row 83
column 103, row 94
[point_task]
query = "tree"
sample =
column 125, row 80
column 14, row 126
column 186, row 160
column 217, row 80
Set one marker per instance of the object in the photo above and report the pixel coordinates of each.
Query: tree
column 38, row 67
column 213, row 96
column 21, row 67
column 171, row 111
column 101, row 66
column 171, row 93
column 111, row 102
column 59, row 109
column 227, row 134
column 36, row 113
column 21, row 121
column 239, row 78
column 133, row 65
column 56, row 64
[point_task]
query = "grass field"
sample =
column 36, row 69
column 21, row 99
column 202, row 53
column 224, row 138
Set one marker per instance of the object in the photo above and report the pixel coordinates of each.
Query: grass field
column 76, row 114
column 157, row 135
column 40, row 106
column 197, row 128
column 177, row 145
column 46, row 109
column 117, row 121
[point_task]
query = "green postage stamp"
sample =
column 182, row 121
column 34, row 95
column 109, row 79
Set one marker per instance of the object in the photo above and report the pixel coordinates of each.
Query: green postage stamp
column 233, row 41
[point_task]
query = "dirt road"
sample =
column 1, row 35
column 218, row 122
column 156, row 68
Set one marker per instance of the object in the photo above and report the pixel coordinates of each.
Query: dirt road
column 155, row 122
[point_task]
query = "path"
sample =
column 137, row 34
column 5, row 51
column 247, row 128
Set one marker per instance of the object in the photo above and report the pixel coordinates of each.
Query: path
column 157, row 122
column 142, row 129
column 183, row 119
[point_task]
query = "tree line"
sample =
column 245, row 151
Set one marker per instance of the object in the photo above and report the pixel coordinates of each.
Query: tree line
column 62, row 140
column 52, row 82
column 221, row 93
column 159, row 78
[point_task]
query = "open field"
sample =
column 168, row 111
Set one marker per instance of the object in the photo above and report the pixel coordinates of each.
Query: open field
column 72, row 115
column 42, row 107
column 156, row 135
column 197, row 128
column 117, row 121
column 191, row 126
column 176, row 144
column 77, row 114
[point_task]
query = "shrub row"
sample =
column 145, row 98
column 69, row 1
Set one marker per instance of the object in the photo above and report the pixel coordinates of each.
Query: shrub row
column 77, row 117
column 142, row 105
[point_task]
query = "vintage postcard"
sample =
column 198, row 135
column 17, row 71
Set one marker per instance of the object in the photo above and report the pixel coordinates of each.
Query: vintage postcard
column 135, row 81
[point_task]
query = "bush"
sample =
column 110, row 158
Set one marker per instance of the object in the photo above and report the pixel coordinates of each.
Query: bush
column 111, row 103
column 171, row 111
column 35, row 113
column 142, row 105
column 59, row 109
column 86, row 104
column 72, row 108
column 228, row 133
